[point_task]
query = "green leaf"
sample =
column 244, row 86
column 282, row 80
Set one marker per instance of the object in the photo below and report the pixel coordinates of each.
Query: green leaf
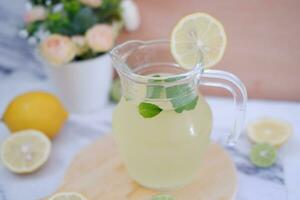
column 83, row 20
column 149, row 110
column 173, row 79
column 180, row 102
column 192, row 104
column 188, row 106
column 76, row 18
column 71, row 7
column 154, row 91
column 87, row 55
column 175, row 93
column 109, row 11
column 33, row 27
column 44, row 2
column 59, row 22
column 179, row 109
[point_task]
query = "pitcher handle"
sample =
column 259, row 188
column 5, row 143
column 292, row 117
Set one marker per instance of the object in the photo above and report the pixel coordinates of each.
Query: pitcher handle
column 228, row 81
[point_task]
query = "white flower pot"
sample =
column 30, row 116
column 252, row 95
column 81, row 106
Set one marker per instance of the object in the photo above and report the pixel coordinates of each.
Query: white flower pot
column 83, row 86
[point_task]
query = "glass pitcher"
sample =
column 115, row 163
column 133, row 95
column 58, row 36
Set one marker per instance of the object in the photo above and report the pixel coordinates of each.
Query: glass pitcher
column 162, row 123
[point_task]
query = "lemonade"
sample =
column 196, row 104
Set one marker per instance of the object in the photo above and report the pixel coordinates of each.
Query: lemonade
column 164, row 151
column 162, row 124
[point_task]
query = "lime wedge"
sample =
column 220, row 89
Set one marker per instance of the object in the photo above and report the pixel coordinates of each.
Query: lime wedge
column 263, row 155
column 163, row 197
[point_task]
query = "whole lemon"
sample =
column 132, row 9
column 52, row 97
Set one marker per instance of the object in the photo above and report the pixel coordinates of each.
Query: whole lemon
column 36, row 110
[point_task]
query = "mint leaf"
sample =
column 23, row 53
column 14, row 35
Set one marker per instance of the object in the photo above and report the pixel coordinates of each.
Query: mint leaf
column 154, row 91
column 179, row 109
column 188, row 106
column 181, row 103
column 177, row 90
column 173, row 79
column 149, row 110
column 192, row 104
column 175, row 94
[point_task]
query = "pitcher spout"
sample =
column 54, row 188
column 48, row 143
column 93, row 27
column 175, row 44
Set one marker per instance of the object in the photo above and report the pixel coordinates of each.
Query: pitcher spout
column 120, row 53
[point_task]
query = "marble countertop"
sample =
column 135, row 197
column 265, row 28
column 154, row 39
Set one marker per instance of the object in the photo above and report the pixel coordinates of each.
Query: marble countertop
column 20, row 72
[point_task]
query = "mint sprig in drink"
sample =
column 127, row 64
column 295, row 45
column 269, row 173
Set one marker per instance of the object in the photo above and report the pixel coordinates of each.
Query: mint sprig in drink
column 164, row 136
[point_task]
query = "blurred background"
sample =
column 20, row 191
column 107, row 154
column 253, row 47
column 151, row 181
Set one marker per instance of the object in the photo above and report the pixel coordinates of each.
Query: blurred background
column 263, row 50
column 263, row 40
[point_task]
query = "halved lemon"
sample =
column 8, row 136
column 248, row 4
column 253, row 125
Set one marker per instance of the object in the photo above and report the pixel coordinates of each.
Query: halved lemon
column 198, row 38
column 271, row 131
column 25, row 151
column 68, row 196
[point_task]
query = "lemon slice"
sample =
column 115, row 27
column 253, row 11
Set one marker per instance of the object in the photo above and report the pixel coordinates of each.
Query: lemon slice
column 25, row 151
column 272, row 131
column 67, row 196
column 198, row 36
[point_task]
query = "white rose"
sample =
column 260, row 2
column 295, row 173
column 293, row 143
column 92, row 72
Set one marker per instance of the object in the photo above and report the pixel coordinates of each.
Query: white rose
column 58, row 49
column 35, row 14
column 92, row 3
column 100, row 38
column 80, row 44
column 130, row 15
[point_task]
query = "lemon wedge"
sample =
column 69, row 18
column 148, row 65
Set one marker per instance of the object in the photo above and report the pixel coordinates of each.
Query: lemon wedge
column 271, row 131
column 68, row 196
column 25, row 151
column 198, row 38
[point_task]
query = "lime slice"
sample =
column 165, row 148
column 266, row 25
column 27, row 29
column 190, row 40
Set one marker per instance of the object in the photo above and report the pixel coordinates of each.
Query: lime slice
column 25, row 151
column 163, row 197
column 68, row 196
column 115, row 92
column 263, row 155
column 272, row 131
column 195, row 34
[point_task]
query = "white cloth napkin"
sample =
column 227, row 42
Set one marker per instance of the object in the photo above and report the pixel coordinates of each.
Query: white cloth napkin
column 82, row 130
column 77, row 133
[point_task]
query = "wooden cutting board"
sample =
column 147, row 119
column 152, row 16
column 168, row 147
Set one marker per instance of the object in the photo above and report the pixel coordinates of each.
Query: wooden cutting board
column 98, row 173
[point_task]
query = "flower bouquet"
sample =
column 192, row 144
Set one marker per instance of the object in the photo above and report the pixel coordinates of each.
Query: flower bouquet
column 73, row 38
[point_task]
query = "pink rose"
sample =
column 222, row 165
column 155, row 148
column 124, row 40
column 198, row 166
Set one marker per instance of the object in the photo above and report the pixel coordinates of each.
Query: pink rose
column 91, row 3
column 100, row 38
column 80, row 44
column 58, row 49
column 35, row 14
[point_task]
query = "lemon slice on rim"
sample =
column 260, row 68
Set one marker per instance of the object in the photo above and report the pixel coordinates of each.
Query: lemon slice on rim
column 25, row 151
column 68, row 196
column 271, row 131
column 198, row 35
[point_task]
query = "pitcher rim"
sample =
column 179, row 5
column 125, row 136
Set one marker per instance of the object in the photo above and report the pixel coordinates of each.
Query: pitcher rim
column 125, row 70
